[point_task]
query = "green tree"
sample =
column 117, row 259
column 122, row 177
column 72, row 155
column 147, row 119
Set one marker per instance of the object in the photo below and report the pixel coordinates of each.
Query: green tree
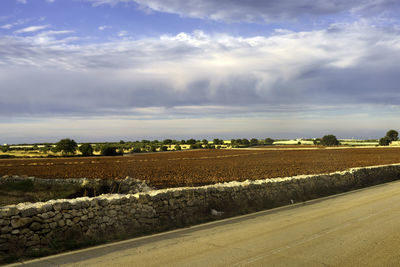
column 384, row 141
column 253, row 142
column 86, row 149
column 167, row 142
column 136, row 149
column 392, row 135
column 5, row 148
column 245, row 142
column 109, row 150
column 66, row 146
column 163, row 148
column 178, row 147
column 195, row 146
column 191, row 141
column 329, row 140
column 268, row 141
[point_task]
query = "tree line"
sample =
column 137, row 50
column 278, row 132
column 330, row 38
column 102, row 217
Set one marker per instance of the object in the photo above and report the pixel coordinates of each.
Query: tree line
column 68, row 147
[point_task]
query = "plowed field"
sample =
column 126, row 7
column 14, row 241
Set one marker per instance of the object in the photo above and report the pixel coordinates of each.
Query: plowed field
column 199, row 167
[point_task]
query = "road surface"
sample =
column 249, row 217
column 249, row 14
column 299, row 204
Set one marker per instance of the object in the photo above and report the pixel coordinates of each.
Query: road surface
column 361, row 228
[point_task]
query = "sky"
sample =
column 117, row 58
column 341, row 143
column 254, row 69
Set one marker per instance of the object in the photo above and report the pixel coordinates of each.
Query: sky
column 110, row 70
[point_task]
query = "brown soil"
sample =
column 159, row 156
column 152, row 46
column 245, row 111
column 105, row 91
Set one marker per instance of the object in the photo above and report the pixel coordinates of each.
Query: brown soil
column 199, row 167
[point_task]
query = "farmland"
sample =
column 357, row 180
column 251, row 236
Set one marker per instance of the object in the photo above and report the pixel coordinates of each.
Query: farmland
column 200, row 167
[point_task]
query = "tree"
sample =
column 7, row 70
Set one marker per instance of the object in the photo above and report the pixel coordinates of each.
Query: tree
column 392, row 135
column 178, row 147
column 329, row 140
column 204, row 141
column 317, row 141
column 216, row 141
column 191, row 141
column 268, row 141
column 66, row 146
column 253, row 142
column 384, row 141
column 245, row 142
column 5, row 148
column 109, row 150
column 86, row 150
column 136, row 149
column 195, row 146
column 164, row 148
column 167, row 142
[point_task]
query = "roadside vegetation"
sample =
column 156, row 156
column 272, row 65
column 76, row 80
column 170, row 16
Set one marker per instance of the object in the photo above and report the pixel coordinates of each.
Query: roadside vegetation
column 26, row 191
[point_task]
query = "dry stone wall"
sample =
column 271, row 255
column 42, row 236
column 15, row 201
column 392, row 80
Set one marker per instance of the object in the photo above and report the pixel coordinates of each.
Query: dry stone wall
column 32, row 228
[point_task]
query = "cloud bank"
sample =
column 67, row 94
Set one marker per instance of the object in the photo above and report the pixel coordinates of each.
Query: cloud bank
column 345, row 65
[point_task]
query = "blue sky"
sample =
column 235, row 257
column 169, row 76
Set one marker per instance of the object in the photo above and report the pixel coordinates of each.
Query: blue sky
column 104, row 70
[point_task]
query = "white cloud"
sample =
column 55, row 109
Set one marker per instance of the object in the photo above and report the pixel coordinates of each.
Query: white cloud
column 13, row 24
column 104, row 27
column 255, row 10
column 22, row 1
column 122, row 33
column 32, row 29
column 7, row 26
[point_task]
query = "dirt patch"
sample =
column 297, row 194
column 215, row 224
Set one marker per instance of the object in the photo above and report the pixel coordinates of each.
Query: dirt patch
column 200, row 167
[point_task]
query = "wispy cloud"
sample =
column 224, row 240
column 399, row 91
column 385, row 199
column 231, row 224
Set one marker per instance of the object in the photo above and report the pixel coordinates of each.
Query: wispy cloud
column 32, row 29
column 13, row 24
column 122, row 33
column 104, row 27
column 257, row 11
column 107, row 2
column 22, row 1
column 7, row 26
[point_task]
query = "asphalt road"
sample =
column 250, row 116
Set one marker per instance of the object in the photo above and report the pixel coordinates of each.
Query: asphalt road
column 361, row 228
